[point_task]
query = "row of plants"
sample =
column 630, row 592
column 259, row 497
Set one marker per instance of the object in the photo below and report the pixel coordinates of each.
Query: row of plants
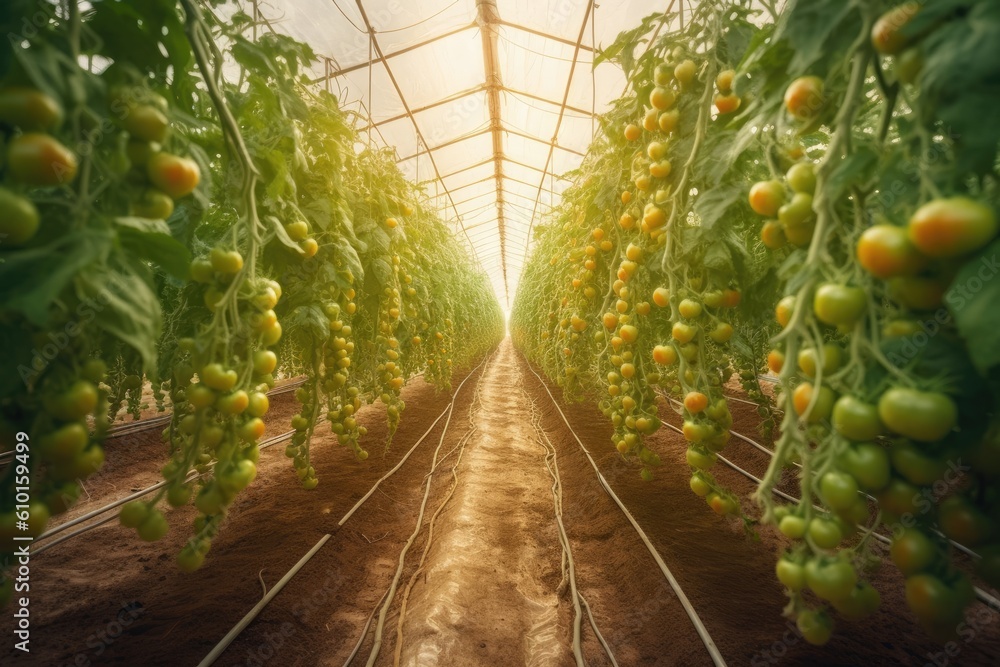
column 810, row 193
column 178, row 208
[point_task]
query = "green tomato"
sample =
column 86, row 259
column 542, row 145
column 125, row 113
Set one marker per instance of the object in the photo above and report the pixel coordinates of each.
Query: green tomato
column 153, row 527
column 962, row 521
column 840, row 490
column 792, row 526
column 915, row 466
column 856, row 420
column 913, row 552
column 830, row 579
column 791, row 575
column 839, row 305
column 825, row 533
column 801, row 177
column 830, row 354
column 19, row 219
column 860, row 604
column 925, row 416
column 868, row 463
column 816, row 626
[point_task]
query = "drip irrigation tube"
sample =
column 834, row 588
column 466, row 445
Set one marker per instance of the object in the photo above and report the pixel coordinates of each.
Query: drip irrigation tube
column 706, row 638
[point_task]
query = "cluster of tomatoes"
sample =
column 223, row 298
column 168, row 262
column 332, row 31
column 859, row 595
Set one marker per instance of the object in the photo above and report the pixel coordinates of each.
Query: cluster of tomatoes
column 343, row 398
column 791, row 218
column 34, row 158
column 160, row 177
column 892, row 441
column 61, row 397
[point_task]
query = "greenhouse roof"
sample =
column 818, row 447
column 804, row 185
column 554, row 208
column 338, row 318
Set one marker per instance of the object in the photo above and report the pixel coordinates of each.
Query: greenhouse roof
column 487, row 103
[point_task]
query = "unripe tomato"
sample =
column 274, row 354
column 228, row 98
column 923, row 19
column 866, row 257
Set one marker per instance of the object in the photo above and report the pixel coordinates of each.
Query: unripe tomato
column 699, row 486
column 804, row 97
column 309, row 247
column 147, row 123
column 772, row 235
column 259, row 404
column 829, row 357
column 830, row 580
column 299, row 230
column 649, row 121
column 663, row 74
column 139, row 152
column 775, row 360
column 856, row 420
column 218, row 378
column 721, row 333
column 791, row 575
column 801, row 177
column 886, row 33
column 18, row 218
column 796, row 212
column 133, row 514
column 947, row 228
column 925, row 416
column 177, row 176
column 632, row 132
column 661, row 99
column 234, row 403
column 792, row 527
column 917, row 292
column 724, row 81
column 153, row 527
column 839, row 305
column 913, row 552
column 153, row 205
column 821, row 410
column 766, row 197
column 909, row 64
column 863, row 601
column 226, row 261
column 963, row 522
column 75, row 403
column 685, row 73
column 667, row 121
column 695, row 401
column 252, row 430
column 885, row 251
column 689, row 308
column 914, row 465
column 65, row 443
column 656, row 150
column 784, row 310
column 29, row 109
column 816, row 626
column 39, row 160
column 727, row 103
column 868, row 463
column 840, row 490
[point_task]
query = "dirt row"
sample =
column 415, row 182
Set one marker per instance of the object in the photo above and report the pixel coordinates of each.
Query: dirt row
column 490, row 590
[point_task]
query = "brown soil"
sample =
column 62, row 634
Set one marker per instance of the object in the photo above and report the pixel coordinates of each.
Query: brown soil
column 489, row 591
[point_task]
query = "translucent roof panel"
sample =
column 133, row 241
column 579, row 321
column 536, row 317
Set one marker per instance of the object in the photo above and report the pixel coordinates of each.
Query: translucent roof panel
column 463, row 88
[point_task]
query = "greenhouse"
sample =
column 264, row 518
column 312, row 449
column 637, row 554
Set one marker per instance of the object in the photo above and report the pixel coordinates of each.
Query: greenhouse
column 499, row 332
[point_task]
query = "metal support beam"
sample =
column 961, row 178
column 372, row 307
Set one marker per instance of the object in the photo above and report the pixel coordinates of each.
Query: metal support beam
column 427, row 151
column 409, row 113
column 562, row 111
column 539, row 33
column 427, row 107
column 562, row 107
column 488, row 19
column 382, row 58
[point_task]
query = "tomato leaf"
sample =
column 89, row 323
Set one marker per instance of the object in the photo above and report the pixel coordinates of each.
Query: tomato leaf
column 32, row 278
column 712, row 205
column 126, row 308
column 972, row 300
column 151, row 240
